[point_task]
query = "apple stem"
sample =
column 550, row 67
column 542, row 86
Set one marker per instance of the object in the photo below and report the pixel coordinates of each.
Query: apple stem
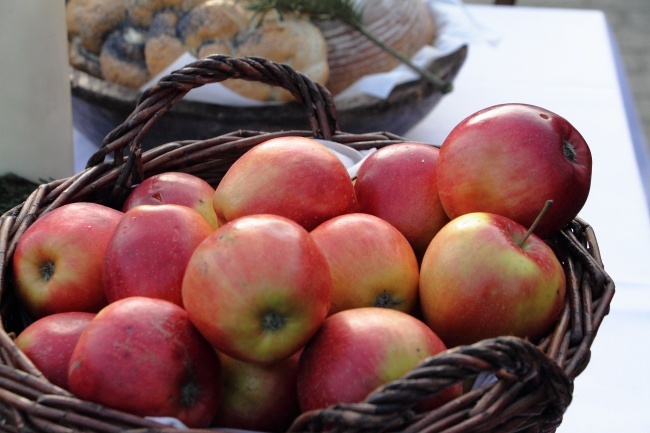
column 533, row 226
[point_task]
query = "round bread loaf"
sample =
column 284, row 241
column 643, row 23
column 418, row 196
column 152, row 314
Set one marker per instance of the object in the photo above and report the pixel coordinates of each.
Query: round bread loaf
column 405, row 25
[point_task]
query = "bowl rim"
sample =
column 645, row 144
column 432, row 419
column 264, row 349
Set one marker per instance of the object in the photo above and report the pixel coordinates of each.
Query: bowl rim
column 91, row 88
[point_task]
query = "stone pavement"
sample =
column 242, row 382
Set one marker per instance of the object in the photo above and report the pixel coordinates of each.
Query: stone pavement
column 630, row 23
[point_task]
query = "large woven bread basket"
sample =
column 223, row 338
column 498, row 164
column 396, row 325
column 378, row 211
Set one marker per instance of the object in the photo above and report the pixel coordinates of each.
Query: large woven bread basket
column 531, row 385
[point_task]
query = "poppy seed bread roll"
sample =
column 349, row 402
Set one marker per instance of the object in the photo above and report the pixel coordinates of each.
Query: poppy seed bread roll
column 287, row 39
column 142, row 12
column 215, row 22
column 122, row 57
column 82, row 59
column 162, row 46
column 93, row 20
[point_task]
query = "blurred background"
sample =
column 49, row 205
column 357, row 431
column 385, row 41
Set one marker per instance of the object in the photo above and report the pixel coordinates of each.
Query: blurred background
column 628, row 20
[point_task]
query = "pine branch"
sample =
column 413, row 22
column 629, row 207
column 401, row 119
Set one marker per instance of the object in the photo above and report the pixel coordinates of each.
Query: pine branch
column 345, row 11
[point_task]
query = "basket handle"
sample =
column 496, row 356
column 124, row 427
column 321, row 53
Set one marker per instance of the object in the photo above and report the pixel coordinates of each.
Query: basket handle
column 523, row 371
column 169, row 90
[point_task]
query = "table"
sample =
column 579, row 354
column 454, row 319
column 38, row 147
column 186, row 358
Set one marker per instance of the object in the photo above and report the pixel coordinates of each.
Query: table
column 566, row 61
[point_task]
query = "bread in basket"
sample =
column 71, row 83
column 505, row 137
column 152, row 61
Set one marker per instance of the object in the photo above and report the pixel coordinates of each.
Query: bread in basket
column 328, row 51
column 531, row 385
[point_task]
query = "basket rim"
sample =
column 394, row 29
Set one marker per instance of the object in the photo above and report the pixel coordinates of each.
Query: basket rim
column 517, row 364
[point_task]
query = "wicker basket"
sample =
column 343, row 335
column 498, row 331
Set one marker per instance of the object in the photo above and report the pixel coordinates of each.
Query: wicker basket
column 532, row 384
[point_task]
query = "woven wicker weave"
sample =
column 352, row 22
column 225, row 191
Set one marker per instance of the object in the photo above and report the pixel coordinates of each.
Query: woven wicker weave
column 533, row 383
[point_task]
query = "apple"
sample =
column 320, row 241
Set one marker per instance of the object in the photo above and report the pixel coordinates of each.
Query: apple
column 356, row 351
column 482, row 278
column 258, row 397
column 149, row 250
column 258, row 288
column 370, row 261
column 58, row 260
column 508, row 160
column 143, row 355
column 49, row 341
column 398, row 183
column 294, row 177
column 175, row 188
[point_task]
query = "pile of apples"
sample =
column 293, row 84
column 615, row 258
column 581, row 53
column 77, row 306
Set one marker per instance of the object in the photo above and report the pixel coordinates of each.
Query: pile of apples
column 291, row 287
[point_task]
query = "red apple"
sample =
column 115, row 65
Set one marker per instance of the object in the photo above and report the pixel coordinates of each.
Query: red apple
column 49, row 342
column 398, row 183
column 358, row 350
column 509, row 159
column 258, row 397
column 477, row 282
column 295, row 177
column 58, row 259
column 149, row 250
column 258, row 288
column 175, row 188
column 370, row 261
column 144, row 356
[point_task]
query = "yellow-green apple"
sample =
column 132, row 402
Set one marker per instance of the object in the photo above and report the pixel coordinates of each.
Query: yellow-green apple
column 149, row 250
column 143, row 355
column 478, row 280
column 370, row 261
column 295, row 177
column 355, row 351
column 258, row 288
column 175, row 187
column 258, row 397
column 398, row 183
column 49, row 341
column 58, row 260
column 509, row 159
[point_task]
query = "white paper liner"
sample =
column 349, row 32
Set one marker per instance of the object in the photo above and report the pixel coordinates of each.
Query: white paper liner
column 455, row 28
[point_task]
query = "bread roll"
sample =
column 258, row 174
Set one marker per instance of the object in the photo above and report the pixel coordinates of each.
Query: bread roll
column 162, row 47
column 93, row 20
column 122, row 57
column 291, row 40
column 214, row 22
column 405, row 25
column 142, row 12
